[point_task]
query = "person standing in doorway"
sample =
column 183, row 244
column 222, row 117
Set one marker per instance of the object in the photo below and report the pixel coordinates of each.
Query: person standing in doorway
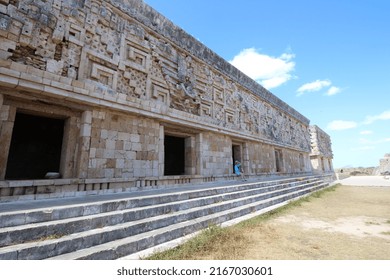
column 238, row 170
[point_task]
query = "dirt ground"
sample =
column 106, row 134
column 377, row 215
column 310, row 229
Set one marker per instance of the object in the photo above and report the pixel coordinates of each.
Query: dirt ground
column 350, row 223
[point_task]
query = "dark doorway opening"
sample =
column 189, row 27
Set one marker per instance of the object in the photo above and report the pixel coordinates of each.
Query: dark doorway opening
column 35, row 147
column 279, row 161
column 236, row 152
column 174, row 152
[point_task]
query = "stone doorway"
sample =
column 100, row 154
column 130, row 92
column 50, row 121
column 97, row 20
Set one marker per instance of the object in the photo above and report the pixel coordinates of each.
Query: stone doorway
column 236, row 154
column 279, row 161
column 174, row 155
column 36, row 146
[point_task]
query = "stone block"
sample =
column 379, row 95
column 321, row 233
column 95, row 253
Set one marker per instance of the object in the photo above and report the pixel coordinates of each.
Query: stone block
column 108, row 154
column 22, row 183
column 59, row 93
column 18, row 191
column 61, row 182
column 5, row 63
column 29, row 190
column 30, row 86
column 110, row 144
column 3, row 8
column 8, row 81
column 109, row 173
column 45, row 189
column 4, row 191
column 51, row 76
column 78, row 84
column 85, row 130
column 70, row 188
column 12, row 37
column 10, row 72
column 4, row 55
column 88, row 187
column 69, row 194
column 54, row 66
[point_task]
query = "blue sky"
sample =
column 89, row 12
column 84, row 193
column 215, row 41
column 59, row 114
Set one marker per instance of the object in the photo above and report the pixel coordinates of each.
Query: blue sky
column 330, row 60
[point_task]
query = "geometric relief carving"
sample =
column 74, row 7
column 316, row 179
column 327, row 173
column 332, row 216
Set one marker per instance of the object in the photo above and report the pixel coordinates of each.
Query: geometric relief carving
column 229, row 117
column 206, row 108
column 134, row 57
column 104, row 75
column 218, row 95
column 76, row 34
column 253, row 102
column 136, row 82
column 160, row 93
column 138, row 58
column 219, row 112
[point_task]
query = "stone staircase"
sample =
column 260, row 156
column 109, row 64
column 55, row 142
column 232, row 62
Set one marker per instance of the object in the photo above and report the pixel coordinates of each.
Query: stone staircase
column 112, row 227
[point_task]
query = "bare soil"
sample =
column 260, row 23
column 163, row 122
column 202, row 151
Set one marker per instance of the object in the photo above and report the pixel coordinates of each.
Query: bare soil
column 350, row 223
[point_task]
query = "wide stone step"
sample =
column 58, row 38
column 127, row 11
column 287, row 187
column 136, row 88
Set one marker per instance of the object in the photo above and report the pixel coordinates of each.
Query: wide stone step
column 24, row 233
column 129, row 245
column 90, row 238
column 29, row 216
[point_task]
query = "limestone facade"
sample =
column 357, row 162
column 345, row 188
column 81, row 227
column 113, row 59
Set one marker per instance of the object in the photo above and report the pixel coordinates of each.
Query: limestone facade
column 132, row 100
column 384, row 166
column 321, row 153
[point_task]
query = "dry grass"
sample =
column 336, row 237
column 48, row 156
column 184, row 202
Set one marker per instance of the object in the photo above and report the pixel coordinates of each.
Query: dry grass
column 213, row 239
column 346, row 223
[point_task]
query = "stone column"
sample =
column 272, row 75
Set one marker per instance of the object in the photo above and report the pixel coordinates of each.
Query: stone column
column 199, row 154
column 246, row 159
column 316, row 164
column 84, row 144
column 190, row 156
column 7, row 120
column 69, row 153
column 161, row 152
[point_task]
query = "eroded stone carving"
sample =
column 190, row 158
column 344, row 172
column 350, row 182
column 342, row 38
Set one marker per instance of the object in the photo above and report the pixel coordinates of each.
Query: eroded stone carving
column 91, row 41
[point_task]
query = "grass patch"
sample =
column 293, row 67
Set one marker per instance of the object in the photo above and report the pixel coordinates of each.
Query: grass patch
column 212, row 239
column 283, row 209
column 227, row 243
column 51, row 237
column 386, row 232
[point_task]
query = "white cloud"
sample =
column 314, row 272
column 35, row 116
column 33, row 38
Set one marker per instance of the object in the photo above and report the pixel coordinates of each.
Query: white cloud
column 366, row 132
column 379, row 141
column 313, row 86
column 333, row 90
column 363, row 148
column 268, row 71
column 381, row 117
column 341, row 125
column 318, row 85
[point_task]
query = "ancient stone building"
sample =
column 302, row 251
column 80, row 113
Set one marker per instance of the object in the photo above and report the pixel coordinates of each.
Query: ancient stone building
column 384, row 166
column 111, row 95
column 321, row 153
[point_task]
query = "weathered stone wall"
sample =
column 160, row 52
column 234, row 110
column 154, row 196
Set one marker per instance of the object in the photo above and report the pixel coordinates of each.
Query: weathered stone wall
column 216, row 154
column 261, row 159
column 122, row 77
column 99, row 47
column 123, row 146
column 320, row 142
column 321, row 150
column 384, row 166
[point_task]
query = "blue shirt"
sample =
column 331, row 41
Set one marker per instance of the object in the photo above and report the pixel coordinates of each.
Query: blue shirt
column 237, row 169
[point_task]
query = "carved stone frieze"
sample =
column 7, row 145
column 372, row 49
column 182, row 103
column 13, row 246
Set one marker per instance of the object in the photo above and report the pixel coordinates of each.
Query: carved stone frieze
column 109, row 44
